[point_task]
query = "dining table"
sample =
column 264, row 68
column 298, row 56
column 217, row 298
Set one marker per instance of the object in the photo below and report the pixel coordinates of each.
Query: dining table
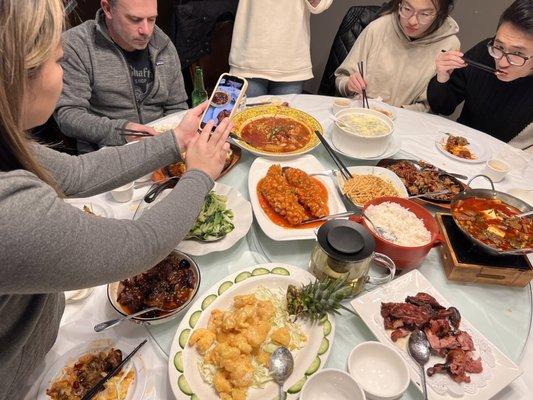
column 502, row 314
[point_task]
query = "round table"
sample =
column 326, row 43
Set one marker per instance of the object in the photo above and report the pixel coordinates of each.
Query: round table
column 501, row 314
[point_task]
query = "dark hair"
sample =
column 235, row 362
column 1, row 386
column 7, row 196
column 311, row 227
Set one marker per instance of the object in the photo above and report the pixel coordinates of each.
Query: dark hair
column 444, row 8
column 520, row 14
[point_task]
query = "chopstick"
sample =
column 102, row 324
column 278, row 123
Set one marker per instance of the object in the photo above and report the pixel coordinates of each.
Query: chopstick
column 342, row 168
column 132, row 132
column 96, row 388
column 261, row 103
column 478, row 65
column 360, row 66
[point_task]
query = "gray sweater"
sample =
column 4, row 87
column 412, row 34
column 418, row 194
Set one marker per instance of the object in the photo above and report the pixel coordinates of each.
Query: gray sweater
column 98, row 93
column 47, row 246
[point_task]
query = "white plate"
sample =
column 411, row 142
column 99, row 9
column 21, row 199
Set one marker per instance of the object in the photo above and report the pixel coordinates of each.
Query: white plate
column 242, row 219
column 98, row 207
column 307, row 163
column 383, row 173
column 220, row 296
column 137, row 388
column 168, row 122
column 481, row 152
column 394, row 146
column 498, row 370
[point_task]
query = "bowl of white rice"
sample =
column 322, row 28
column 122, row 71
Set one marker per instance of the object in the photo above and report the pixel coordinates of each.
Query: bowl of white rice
column 362, row 132
column 407, row 231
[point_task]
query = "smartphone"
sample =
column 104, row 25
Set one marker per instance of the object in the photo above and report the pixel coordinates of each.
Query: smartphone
column 225, row 99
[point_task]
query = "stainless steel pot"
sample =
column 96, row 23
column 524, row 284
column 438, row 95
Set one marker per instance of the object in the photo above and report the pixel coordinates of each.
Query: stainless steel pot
column 490, row 194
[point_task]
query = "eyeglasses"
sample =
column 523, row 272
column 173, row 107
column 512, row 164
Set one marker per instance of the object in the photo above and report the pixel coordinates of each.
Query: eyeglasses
column 423, row 18
column 513, row 58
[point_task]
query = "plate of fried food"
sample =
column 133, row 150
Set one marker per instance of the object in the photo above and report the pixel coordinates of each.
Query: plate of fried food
column 420, row 177
column 285, row 196
column 463, row 363
column 276, row 131
column 463, row 149
column 369, row 183
column 177, row 169
column 222, row 346
column 81, row 368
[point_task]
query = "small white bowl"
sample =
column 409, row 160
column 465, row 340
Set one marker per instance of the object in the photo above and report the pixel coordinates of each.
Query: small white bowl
column 496, row 169
column 380, row 370
column 359, row 145
column 340, row 104
column 332, row 384
column 123, row 194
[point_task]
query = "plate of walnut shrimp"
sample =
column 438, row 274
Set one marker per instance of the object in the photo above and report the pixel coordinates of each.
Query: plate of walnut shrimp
column 223, row 344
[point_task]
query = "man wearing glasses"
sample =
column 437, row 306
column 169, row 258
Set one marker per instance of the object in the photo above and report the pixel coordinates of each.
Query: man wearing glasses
column 500, row 104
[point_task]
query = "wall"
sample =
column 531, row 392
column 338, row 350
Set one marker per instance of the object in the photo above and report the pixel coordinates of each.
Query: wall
column 477, row 19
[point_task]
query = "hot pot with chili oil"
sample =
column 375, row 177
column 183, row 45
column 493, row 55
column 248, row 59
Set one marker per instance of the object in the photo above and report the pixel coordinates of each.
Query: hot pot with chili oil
column 489, row 218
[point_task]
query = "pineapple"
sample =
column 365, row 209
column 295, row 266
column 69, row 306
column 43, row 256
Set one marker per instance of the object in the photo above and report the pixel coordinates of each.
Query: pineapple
column 316, row 299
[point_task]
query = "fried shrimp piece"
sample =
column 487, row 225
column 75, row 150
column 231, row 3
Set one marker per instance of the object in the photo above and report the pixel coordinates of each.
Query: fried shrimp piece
column 221, row 384
column 203, row 339
column 281, row 336
column 278, row 193
column 308, row 191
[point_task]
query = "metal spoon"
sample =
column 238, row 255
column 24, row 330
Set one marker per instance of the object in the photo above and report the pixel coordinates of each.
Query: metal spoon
column 526, row 214
column 388, row 236
column 281, row 366
column 418, row 348
column 429, row 194
column 102, row 326
column 328, row 217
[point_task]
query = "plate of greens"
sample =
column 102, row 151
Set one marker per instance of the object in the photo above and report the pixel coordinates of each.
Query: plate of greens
column 225, row 218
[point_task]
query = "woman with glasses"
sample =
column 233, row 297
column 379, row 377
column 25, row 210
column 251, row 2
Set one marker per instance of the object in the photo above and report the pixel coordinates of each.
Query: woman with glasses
column 398, row 51
column 501, row 103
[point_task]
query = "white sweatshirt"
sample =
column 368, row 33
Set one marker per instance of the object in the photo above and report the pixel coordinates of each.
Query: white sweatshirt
column 272, row 39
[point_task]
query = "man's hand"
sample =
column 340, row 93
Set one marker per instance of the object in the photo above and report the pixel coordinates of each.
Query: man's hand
column 141, row 128
column 188, row 127
column 446, row 62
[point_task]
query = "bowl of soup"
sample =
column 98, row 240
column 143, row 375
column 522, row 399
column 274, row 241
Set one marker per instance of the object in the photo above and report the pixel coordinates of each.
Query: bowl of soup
column 362, row 132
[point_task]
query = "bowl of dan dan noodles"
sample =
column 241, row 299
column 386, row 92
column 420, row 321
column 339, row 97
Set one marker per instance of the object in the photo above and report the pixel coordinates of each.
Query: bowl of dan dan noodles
column 369, row 183
column 362, row 131
column 407, row 231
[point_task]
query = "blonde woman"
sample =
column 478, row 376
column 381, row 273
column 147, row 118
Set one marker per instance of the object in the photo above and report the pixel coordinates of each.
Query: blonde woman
column 398, row 50
column 47, row 246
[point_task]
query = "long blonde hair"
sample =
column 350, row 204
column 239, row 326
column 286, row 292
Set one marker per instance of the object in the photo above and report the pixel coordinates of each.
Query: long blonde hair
column 29, row 33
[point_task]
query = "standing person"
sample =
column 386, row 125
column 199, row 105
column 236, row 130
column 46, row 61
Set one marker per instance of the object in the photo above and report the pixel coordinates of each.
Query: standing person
column 398, row 51
column 271, row 44
column 48, row 246
column 121, row 71
column 499, row 104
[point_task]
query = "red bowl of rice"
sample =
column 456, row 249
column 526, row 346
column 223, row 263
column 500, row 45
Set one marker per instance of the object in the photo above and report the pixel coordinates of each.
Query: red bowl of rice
column 406, row 257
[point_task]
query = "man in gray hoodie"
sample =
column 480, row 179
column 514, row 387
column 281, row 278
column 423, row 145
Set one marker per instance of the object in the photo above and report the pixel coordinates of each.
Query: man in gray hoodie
column 120, row 71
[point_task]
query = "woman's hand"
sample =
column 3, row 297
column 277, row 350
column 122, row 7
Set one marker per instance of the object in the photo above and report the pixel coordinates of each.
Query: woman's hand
column 207, row 152
column 356, row 84
column 446, row 62
column 188, row 127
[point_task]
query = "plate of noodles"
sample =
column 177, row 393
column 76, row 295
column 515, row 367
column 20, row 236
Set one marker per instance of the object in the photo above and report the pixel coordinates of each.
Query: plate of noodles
column 369, row 183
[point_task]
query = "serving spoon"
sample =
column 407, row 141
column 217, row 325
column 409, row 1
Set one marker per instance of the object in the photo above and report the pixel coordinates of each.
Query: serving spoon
column 102, row 326
column 281, row 366
column 418, row 347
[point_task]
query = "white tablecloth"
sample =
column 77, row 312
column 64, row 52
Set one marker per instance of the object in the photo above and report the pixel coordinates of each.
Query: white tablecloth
column 418, row 133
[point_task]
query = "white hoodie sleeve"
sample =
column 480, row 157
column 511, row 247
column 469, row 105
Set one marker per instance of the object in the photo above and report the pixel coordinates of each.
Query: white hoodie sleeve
column 322, row 5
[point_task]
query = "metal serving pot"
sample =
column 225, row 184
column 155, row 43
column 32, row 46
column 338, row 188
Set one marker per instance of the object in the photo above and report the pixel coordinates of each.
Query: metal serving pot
column 490, row 194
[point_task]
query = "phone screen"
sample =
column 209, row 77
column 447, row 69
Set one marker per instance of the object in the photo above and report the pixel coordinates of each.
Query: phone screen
column 223, row 100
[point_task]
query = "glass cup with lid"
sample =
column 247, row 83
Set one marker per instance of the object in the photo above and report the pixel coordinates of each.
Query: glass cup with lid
column 345, row 250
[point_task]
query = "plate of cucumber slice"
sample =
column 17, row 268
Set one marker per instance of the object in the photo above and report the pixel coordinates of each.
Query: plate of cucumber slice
column 196, row 367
